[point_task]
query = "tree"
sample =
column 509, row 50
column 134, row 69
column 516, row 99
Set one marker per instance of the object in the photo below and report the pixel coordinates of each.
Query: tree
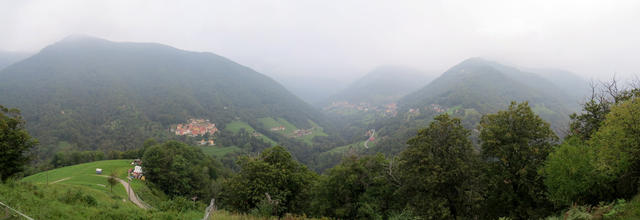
column 603, row 97
column 571, row 175
column 440, row 171
column 618, row 147
column 179, row 169
column 515, row 144
column 112, row 180
column 274, row 173
column 357, row 188
column 15, row 143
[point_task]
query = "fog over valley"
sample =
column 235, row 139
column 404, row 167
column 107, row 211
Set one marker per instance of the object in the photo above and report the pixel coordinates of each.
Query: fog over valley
column 288, row 109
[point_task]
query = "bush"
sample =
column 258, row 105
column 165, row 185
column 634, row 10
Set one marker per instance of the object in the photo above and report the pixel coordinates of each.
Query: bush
column 178, row 204
column 72, row 197
column 264, row 209
column 89, row 200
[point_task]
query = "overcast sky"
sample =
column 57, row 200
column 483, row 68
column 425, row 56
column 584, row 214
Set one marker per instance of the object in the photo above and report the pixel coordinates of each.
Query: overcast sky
column 332, row 38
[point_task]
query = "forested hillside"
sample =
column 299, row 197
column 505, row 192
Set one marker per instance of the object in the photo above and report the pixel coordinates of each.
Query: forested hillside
column 96, row 94
column 469, row 90
column 481, row 86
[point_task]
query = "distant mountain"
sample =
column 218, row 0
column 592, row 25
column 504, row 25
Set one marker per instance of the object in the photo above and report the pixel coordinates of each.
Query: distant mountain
column 383, row 85
column 576, row 87
column 98, row 94
column 310, row 88
column 477, row 86
column 7, row 58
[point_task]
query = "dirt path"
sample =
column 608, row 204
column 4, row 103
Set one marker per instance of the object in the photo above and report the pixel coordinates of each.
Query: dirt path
column 60, row 180
column 132, row 195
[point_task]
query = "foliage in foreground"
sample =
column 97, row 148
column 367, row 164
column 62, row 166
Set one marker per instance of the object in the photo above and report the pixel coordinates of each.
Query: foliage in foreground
column 440, row 171
column 357, row 188
column 180, row 170
column 15, row 143
column 272, row 183
column 516, row 143
column 61, row 201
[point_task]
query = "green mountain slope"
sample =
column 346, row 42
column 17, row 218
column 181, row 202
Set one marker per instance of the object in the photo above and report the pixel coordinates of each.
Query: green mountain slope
column 7, row 58
column 98, row 94
column 469, row 90
column 576, row 87
column 383, row 85
column 485, row 87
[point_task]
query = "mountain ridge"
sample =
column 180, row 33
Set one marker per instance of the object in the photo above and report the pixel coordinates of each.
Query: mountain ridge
column 96, row 93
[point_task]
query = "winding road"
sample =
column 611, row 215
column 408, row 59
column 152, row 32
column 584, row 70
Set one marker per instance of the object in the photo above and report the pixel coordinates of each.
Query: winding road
column 366, row 143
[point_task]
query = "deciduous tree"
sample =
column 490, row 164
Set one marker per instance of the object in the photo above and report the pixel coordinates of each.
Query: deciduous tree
column 440, row 171
column 15, row 143
column 515, row 144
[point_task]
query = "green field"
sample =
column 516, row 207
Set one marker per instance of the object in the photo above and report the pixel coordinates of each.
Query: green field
column 317, row 131
column 235, row 126
column 269, row 123
column 542, row 110
column 77, row 192
column 451, row 110
column 345, row 148
column 85, row 175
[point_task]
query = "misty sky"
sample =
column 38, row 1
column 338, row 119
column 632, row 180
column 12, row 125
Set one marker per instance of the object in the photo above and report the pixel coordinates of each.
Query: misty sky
column 347, row 38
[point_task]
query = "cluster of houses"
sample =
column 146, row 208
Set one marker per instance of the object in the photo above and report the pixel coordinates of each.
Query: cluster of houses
column 195, row 127
column 209, row 142
column 136, row 172
column 391, row 109
column 302, row 132
column 436, row 108
column 279, row 128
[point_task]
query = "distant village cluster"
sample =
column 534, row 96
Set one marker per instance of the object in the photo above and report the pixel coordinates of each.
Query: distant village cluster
column 279, row 128
column 436, row 108
column 302, row 132
column 390, row 109
column 296, row 133
column 433, row 108
column 197, row 127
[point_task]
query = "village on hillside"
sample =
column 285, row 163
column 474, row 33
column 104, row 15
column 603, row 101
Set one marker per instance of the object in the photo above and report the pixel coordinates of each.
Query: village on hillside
column 389, row 110
column 197, row 127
